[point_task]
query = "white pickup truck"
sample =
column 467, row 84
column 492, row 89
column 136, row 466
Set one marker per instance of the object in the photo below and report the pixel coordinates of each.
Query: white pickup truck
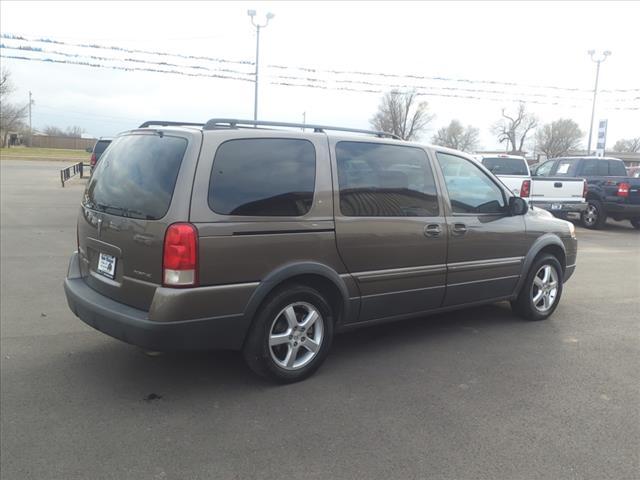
column 561, row 196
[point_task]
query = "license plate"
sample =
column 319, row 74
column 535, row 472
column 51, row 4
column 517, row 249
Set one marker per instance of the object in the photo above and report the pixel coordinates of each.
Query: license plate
column 107, row 265
column 556, row 206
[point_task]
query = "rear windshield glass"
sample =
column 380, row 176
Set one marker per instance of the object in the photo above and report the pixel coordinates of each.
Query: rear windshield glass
column 101, row 146
column 136, row 176
column 506, row 166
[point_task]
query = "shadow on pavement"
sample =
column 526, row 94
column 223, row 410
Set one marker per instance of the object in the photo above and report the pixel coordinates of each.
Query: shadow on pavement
column 120, row 364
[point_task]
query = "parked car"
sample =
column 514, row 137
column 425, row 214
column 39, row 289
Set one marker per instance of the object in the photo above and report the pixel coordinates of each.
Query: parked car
column 611, row 193
column 97, row 150
column 562, row 197
column 270, row 241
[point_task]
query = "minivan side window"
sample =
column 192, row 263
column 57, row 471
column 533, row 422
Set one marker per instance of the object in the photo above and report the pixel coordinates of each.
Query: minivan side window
column 470, row 189
column 379, row 180
column 263, row 177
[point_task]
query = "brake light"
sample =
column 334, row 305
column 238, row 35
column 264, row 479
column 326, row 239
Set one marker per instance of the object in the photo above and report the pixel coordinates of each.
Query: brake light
column 93, row 160
column 180, row 256
column 585, row 188
column 525, row 189
column 623, row 189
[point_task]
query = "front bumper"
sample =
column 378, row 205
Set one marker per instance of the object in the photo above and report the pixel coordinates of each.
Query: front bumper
column 133, row 326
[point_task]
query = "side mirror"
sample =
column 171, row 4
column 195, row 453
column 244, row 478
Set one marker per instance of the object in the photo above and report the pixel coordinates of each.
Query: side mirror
column 88, row 149
column 518, row 206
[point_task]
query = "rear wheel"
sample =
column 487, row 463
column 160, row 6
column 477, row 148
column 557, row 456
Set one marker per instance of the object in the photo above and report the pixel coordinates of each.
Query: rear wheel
column 635, row 222
column 541, row 291
column 291, row 335
column 594, row 217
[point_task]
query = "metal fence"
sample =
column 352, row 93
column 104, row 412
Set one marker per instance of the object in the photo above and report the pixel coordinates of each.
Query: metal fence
column 71, row 171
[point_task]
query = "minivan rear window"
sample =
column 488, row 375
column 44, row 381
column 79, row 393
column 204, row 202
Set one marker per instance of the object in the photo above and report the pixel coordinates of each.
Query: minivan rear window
column 506, row 166
column 136, row 176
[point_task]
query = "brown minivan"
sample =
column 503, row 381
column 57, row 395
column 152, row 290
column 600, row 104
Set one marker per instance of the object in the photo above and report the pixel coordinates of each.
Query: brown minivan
column 270, row 240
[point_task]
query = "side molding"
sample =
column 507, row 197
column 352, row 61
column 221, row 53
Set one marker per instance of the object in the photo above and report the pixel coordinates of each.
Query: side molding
column 540, row 243
column 286, row 272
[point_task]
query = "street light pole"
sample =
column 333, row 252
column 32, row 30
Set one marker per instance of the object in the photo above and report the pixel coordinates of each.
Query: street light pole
column 598, row 61
column 252, row 14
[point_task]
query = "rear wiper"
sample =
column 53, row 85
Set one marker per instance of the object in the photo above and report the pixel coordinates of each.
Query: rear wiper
column 123, row 211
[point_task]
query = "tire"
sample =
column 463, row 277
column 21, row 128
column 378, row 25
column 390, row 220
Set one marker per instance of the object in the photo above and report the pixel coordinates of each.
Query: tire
column 526, row 305
column 291, row 360
column 594, row 217
column 635, row 222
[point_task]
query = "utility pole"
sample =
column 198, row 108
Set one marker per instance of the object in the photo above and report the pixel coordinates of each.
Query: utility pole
column 30, row 130
column 598, row 61
column 304, row 119
column 252, row 14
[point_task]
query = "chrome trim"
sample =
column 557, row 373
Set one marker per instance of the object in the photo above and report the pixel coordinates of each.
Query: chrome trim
column 492, row 262
column 402, row 291
column 481, row 281
column 373, row 275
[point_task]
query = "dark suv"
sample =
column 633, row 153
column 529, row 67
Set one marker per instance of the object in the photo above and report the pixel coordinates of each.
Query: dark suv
column 271, row 240
column 97, row 151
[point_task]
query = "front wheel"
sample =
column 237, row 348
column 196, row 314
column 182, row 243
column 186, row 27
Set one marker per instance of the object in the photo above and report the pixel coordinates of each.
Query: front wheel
column 541, row 291
column 635, row 222
column 291, row 335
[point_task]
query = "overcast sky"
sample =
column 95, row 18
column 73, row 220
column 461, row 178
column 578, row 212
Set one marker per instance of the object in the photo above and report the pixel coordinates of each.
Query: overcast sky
column 523, row 43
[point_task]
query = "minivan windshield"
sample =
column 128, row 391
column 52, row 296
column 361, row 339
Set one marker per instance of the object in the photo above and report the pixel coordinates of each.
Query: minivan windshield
column 506, row 166
column 136, row 176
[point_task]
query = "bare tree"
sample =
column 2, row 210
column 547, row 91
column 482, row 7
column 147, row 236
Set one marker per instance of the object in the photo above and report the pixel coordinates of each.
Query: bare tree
column 456, row 136
column 627, row 145
column 513, row 129
column 401, row 114
column 557, row 138
column 11, row 116
column 74, row 131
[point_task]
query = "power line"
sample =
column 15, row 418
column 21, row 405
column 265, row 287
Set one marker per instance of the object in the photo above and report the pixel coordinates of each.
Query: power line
column 23, row 48
column 289, row 84
column 39, row 50
column 122, row 49
column 314, row 70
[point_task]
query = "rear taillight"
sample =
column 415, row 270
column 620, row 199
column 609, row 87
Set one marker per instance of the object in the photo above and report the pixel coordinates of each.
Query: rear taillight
column 623, row 189
column 585, row 189
column 525, row 189
column 93, row 160
column 180, row 256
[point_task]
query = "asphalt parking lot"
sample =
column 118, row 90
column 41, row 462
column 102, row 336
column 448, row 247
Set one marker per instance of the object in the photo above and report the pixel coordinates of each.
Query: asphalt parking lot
column 476, row 394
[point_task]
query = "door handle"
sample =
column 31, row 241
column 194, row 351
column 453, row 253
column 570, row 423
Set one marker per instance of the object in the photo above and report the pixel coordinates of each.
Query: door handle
column 558, row 184
column 459, row 229
column 432, row 230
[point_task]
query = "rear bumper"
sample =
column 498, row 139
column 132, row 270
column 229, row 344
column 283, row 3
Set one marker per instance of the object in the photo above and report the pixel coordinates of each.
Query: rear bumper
column 565, row 207
column 625, row 210
column 133, row 326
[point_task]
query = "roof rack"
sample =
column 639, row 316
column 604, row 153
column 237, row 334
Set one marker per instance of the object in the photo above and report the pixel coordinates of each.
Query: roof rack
column 219, row 123
column 165, row 123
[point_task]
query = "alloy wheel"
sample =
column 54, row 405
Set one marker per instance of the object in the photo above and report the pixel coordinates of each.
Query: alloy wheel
column 544, row 289
column 591, row 215
column 296, row 335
